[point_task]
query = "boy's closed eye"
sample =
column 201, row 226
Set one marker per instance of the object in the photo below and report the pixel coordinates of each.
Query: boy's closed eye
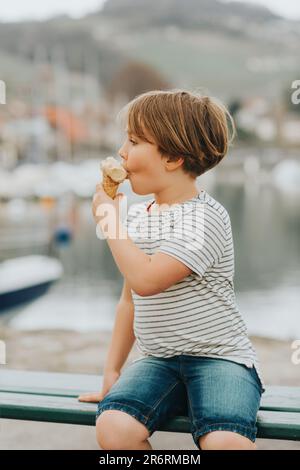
column 132, row 138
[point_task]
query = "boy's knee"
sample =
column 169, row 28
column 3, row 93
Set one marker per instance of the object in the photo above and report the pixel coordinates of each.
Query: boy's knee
column 107, row 431
column 225, row 440
column 116, row 430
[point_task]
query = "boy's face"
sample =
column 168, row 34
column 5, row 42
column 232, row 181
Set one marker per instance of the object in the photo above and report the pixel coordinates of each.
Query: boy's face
column 144, row 164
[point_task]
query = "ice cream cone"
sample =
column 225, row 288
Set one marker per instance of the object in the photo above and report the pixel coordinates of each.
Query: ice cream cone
column 113, row 173
column 110, row 186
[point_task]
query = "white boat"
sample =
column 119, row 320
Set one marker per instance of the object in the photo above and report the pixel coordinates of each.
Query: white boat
column 25, row 278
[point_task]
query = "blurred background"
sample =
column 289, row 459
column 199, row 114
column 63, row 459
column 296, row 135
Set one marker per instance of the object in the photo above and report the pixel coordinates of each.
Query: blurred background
column 66, row 69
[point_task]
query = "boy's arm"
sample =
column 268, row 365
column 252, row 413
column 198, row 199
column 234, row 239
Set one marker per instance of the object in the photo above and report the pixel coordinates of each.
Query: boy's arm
column 147, row 274
column 123, row 337
column 121, row 343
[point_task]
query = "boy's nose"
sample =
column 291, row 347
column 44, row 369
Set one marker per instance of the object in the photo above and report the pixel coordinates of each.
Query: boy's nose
column 124, row 160
column 122, row 154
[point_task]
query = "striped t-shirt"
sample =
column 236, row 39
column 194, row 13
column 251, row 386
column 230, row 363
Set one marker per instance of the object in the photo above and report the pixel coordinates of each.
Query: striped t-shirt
column 198, row 315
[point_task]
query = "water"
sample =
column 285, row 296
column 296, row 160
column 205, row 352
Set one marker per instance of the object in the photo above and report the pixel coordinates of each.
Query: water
column 266, row 228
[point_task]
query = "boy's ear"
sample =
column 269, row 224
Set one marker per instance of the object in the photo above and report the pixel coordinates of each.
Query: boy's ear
column 172, row 164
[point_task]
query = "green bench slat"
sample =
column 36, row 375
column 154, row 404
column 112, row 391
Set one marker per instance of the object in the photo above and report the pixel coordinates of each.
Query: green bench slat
column 275, row 425
column 278, row 425
column 275, row 398
column 46, row 408
column 48, row 383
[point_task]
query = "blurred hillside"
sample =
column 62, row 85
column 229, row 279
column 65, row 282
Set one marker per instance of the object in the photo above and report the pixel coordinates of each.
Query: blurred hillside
column 232, row 50
column 66, row 79
column 188, row 14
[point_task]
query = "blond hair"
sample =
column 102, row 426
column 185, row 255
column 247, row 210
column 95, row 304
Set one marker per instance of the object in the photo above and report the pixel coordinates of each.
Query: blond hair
column 182, row 124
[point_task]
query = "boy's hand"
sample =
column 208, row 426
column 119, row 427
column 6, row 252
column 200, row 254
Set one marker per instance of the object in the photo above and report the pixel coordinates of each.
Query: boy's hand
column 91, row 397
column 94, row 397
column 100, row 198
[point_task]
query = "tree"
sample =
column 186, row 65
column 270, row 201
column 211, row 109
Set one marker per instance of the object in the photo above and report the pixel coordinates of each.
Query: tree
column 134, row 78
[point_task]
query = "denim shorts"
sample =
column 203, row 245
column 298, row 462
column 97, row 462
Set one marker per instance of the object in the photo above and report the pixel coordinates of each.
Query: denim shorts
column 216, row 394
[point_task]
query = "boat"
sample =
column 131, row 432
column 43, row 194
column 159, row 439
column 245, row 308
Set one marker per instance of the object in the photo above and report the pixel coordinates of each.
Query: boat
column 26, row 278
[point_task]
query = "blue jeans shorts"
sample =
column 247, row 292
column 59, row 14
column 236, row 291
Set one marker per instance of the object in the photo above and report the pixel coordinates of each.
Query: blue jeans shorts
column 216, row 394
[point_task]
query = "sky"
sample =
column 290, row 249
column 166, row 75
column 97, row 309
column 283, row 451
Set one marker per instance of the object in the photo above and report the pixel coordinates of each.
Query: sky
column 17, row 10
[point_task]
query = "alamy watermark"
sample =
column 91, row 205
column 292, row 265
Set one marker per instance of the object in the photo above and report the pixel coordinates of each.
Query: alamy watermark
column 295, row 97
column 2, row 352
column 184, row 222
column 2, row 92
column 295, row 358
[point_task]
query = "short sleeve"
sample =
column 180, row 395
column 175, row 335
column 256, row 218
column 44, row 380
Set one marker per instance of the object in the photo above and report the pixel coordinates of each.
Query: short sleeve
column 197, row 238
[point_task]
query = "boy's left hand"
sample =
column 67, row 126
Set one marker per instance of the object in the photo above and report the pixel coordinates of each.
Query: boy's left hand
column 101, row 198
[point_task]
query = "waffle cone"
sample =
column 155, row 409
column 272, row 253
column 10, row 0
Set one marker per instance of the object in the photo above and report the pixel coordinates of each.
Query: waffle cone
column 110, row 186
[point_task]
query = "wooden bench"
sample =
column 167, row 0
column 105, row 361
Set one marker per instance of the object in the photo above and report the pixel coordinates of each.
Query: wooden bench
column 52, row 397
